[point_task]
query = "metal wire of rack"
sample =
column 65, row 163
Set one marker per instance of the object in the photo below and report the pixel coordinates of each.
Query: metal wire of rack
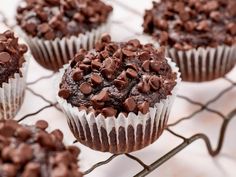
column 148, row 168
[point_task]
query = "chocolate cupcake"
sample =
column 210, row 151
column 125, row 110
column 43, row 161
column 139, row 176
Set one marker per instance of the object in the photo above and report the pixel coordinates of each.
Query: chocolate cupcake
column 30, row 151
column 13, row 68
column 118, row 97
column 55, row 30
column 200, row 35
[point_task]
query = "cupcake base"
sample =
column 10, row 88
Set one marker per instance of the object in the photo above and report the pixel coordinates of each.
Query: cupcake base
column 120, row 134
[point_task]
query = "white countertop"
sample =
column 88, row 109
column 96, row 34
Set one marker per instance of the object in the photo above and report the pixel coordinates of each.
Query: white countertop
column 193, row 161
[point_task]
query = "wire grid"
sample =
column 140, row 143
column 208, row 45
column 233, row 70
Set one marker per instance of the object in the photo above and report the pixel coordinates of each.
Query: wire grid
column 147, row 169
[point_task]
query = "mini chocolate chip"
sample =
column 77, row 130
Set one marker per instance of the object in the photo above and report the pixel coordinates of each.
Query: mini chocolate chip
column 132, row 66
column 64, row 93
column 211, row 5
column 30, row 27
column 79, row 17
column 85, row 88
column 31, row 169
column 96, row 65
column 162, row 24
column 44, row 139
column 49, row 35
column 143, row 87
column 108, row 73
column 109, row 63
column 128, row 53
column 101, row 97
column 144, row 56
column 86, row 68
column 79, row 57
column 106, row 38
column 179, row 6
column 134, row 42
column 23, row 133
column 144, row 107
column 4, row 57
column 189, row 26
column 154, row 82
column 23, row 48
column 9, row 170
column 22, row 154
column 58, row 134
column 129, row 104
column 75, row 151
column 109, row 112
column 203, row 26
column 41, row 124
column 104, row 54
column 44, row 28
column 96, row 79
column 155, row 65
column 131, row 73
column 118, row 54
column 232, row 28
column 215, row 15
column 77, row 74
column 87, row 61
column 146, row 65
column 184, row 16
column 120, row 84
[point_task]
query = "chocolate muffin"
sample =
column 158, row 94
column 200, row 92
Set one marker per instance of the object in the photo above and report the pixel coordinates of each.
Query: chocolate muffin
column 56, row 30
column 200, row 35
column 118, row 84
column 13, row 71
column 30, row 151
column 11, row 56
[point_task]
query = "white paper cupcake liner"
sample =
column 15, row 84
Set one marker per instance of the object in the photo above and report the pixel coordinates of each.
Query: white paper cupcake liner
column 204, row 64
column 201, row 64
column 53, row 54
column 120, row 134
column 12, row 93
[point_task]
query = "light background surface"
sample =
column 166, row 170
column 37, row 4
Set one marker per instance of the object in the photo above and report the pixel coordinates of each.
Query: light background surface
column 193, row 161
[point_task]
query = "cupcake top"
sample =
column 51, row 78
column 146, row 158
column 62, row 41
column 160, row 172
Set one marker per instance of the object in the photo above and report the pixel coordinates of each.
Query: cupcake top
column 187, row 24
column 117, row 77
column 29, row 151
column 50, row 19
column 11, row 56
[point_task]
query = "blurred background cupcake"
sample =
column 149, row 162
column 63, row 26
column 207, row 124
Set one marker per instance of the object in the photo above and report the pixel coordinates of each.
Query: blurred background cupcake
column 55, row 30
column 200, row 35
column 118, row 97
column 14, row 60
column 30, row 151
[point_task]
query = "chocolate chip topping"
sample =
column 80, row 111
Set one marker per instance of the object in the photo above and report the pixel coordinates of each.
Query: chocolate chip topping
column 50, row 19
column 11, row 56
column 127, row 77
column 30, row 151
column 187, row 24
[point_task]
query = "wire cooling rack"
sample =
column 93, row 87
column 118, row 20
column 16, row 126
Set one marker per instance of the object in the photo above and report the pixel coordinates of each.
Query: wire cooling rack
column 185, row 142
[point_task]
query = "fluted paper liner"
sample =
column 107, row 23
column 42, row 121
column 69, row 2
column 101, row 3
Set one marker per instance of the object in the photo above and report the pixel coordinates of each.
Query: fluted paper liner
column 204, row 64
column 12, row 93
column 119, row 134
column 201, row 64
column 53, row 54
